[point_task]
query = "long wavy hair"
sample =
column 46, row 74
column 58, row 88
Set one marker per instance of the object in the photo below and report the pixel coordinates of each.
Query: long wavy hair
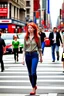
column 35, row 31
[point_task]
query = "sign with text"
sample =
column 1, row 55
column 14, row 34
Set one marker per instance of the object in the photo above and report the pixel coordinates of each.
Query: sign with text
column 5, row 21
column 3, row 12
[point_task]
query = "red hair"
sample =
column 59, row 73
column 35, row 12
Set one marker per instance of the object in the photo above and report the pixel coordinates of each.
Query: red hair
column 35, row 31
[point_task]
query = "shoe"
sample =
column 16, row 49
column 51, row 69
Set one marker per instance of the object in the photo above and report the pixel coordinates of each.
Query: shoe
column 2, row 70
column 57, row 59
column 53, row 61
column 63, row 71
column 32, row 93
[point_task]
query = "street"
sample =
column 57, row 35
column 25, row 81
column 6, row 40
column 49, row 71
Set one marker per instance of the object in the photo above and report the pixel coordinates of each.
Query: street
column 14, row 80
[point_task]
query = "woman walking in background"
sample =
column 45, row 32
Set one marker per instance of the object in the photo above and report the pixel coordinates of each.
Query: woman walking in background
column 15, row 44
column 32, row 45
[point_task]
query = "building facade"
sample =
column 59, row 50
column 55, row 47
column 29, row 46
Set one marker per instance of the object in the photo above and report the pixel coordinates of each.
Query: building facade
column 12, row 15
column 38, row 11
column 29, row 10
column 60, row 23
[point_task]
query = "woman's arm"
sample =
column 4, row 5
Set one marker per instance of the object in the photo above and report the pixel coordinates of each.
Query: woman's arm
column 40, row 49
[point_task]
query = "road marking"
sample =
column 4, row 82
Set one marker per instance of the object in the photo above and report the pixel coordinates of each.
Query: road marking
column 43, row 95
column 39, row 65
column 41, row 77
column 13, row 94
column 29, row 87
column 39, row 72
column 26, row 81
column 38, row 69
column 52, row 94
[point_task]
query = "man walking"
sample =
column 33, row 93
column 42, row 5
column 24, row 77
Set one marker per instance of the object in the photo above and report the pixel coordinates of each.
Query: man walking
column 2, row 47
column 55, row 39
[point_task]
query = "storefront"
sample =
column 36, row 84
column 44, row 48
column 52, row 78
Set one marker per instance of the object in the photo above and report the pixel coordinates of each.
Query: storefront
column 11, row 25
column 7, row 12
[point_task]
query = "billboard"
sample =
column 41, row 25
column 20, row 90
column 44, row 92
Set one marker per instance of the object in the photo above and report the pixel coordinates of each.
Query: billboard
column 3, row 12
column 36, row 5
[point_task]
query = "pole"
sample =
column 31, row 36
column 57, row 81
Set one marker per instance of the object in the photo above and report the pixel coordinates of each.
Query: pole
column 8, row 10
column 40, row 10
column 63, row 18
column 40, row 16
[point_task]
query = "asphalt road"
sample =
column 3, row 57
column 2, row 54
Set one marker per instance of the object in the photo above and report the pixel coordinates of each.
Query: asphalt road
column 14, row 80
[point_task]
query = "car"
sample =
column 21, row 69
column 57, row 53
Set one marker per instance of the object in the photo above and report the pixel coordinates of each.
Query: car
column 8, row 37
column 47, row 41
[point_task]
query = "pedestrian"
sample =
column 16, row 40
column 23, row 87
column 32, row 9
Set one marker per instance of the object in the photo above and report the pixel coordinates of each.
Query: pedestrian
column 15, row 44
column 62, row 59
column 2, row 51
column 55, row 39
column 43, row 37
column 32, row 46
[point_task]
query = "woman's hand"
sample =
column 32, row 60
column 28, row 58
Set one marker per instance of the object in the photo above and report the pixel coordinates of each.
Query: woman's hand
column 41, row 60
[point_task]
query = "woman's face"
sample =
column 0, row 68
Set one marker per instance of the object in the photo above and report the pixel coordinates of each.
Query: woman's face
column 30, row 29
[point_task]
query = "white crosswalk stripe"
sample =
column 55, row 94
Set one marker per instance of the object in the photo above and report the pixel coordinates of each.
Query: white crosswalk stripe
column 14, row 80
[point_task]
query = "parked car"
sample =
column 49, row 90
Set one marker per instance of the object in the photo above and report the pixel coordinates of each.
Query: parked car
column 8, row 37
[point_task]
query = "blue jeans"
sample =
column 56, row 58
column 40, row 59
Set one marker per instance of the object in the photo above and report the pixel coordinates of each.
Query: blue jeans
column 43, row 45
column 54, row 46
column 31, row 62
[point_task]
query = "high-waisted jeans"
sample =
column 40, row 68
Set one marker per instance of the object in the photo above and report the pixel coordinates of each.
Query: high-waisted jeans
column 31, row 62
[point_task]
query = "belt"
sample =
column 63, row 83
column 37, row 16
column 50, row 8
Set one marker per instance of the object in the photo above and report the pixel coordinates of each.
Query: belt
column 30, row 51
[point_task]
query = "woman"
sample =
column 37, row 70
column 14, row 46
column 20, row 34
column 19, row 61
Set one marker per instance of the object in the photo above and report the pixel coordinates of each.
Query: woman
column 15, row 44
column 32, row 45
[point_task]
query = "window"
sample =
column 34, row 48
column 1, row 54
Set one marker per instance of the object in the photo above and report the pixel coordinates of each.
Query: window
column 27, row 3
column 4, row 5
column 28, row 11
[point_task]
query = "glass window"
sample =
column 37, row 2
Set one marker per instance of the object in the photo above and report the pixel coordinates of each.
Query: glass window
column 28, row 11
column 27, row 3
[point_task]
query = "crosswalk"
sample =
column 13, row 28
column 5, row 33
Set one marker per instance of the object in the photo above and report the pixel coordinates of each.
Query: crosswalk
column 14, row 80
